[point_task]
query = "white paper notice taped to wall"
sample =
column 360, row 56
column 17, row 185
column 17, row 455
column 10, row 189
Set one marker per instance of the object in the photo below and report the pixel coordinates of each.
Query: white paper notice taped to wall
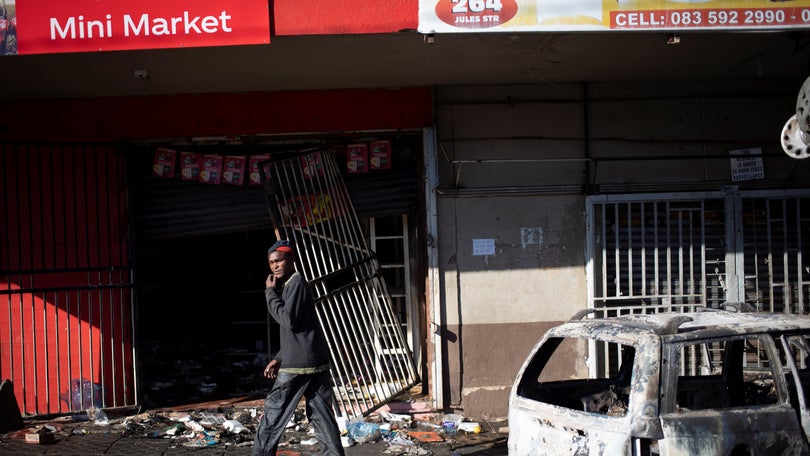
column 483, row 247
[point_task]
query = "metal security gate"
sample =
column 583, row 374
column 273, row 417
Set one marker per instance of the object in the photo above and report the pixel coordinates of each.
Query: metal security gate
column 657, row 253
column 777, row 253
column 652, row 256
column 66, row 319
column 371, row 362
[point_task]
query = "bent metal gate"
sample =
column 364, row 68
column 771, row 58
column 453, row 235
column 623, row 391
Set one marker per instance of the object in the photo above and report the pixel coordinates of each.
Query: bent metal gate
column 309, row 204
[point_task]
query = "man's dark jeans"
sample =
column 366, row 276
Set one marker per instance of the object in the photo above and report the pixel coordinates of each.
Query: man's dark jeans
column 281, row 403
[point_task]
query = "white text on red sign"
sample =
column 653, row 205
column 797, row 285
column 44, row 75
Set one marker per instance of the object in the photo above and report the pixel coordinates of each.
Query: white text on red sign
column 81, row 27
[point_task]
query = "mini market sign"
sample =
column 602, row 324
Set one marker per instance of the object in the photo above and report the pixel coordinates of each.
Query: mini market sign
column 45, row 27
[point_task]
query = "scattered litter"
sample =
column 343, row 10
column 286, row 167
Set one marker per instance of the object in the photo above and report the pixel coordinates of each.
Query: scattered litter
column 194, row 426
column 223, row 423
column 234, row 426
column 346, row 441
column 426, row 436
column 400, row 440
column 40, row 435
column 98, row 416
column 203, row 439
column 427, row 426
column 364, row 432
column 213, row 419
column 175, row 429
column 397, row 421
column 408, row 450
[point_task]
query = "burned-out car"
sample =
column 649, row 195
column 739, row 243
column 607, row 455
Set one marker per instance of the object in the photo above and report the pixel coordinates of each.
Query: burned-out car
column 714, row 382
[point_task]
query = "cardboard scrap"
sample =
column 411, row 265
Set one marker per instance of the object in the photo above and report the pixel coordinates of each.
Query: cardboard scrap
column 426, row 436
column 38, row 436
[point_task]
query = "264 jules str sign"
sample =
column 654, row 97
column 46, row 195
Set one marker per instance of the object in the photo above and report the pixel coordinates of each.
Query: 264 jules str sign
column 46, row 27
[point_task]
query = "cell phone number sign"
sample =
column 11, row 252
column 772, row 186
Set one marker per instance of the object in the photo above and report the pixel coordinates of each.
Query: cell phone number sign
column 459, row 16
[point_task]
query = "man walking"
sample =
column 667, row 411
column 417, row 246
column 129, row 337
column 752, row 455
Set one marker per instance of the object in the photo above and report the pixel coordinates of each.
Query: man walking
column 301, row 367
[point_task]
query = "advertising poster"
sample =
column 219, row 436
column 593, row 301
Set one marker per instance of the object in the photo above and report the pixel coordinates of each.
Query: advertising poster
column 211, row 169
column 311, row 165
column 253, row 168
column 357, row 158
column 380, row 155
column 49, row 27
column 307, row 210
column 163, row 165
column 234, row 170
column 190, row 166
column 475, row 16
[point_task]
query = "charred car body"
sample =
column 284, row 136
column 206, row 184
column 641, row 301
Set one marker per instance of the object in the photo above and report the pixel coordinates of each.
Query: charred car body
column 716, row 382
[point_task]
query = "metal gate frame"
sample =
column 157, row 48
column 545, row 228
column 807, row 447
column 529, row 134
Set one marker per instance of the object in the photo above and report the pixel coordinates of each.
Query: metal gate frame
column 309, row 204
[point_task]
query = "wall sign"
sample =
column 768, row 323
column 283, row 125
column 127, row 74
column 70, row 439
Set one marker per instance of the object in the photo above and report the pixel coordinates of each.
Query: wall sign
column 483, row 247
column 473, row 16
column 45, row 27
column 746, row 164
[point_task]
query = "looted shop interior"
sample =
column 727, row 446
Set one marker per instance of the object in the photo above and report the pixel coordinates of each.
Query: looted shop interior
column 202, row 226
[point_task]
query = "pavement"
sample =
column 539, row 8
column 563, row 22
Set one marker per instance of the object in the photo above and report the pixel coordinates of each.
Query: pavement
column 157, row 433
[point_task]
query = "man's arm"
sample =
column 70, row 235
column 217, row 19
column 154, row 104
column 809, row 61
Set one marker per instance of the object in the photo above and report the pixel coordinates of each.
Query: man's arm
column 286, row 309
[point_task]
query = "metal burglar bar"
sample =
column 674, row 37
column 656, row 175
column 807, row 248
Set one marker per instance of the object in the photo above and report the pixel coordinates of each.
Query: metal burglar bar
column 371, row 362
column 652, row 256
column 649, row 256
column 653, row 253
column 65, row 289
column 776, row 274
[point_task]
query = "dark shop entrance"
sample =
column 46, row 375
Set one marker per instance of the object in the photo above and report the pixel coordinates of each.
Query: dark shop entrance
column 201, row 233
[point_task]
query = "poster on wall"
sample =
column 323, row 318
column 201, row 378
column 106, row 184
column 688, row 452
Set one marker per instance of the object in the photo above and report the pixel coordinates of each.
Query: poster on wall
column 307, row 210
column 475, row 16
column 49, row 27
column 253, row 168
column 380, row 155
column 312, row 165
column 211, row 169
column 234, row 170
column 357, row 158
column 190, row 166
column 163, row 164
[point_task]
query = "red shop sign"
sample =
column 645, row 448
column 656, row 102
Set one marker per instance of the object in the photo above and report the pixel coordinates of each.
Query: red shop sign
column 46, row 27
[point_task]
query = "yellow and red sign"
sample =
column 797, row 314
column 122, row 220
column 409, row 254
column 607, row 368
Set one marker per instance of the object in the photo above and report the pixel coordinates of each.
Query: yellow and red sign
column 473, row 16
column 46, row 27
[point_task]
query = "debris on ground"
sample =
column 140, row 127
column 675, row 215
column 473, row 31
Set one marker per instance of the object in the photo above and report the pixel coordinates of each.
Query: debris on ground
column 40, row 435
column 233, row 424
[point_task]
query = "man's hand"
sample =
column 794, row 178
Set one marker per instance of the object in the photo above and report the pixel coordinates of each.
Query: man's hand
column 271, row 371
column 270, row 282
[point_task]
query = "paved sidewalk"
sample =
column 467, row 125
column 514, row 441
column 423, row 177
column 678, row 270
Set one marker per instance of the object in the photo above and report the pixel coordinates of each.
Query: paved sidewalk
column 108, row 444
column 149, row 434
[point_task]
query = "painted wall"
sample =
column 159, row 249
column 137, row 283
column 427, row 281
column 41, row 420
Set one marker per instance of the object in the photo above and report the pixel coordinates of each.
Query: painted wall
column 309, row 17
column 118, row 118
column 515, row 166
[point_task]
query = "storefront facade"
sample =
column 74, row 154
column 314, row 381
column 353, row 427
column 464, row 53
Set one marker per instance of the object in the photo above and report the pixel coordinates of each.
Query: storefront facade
column 530, row 149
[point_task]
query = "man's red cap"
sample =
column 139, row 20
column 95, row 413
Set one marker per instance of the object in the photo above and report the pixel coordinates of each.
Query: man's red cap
column 282, row 246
